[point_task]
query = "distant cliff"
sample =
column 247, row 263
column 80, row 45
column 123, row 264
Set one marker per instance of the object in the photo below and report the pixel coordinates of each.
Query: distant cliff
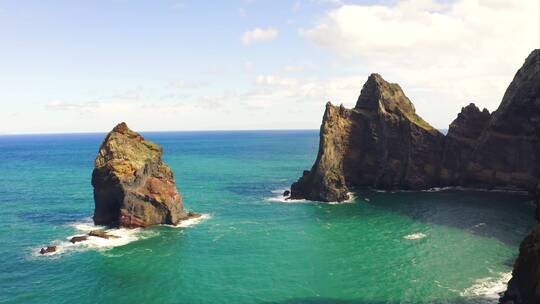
column 382, row 143
column 133, row 187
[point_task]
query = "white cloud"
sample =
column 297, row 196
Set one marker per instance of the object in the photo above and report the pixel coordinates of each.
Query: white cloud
column 273, row 80
column 294, row 68
column 259, row 35
column 443, row 54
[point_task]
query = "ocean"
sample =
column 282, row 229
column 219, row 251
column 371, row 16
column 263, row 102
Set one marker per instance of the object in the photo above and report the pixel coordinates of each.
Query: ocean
column 439, row 246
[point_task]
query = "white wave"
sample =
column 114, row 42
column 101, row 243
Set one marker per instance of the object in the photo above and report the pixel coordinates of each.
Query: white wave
column 489, row 288
column 414, row 236
column 190, row 222
column 349, row 200
column 279, row 198
column 284, row 199
column 120, row 237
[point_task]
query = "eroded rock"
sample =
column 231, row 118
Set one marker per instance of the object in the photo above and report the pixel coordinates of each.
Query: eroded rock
column 133, row 187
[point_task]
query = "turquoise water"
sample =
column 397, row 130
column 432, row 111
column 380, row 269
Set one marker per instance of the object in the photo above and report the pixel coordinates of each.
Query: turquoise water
column 425, row 247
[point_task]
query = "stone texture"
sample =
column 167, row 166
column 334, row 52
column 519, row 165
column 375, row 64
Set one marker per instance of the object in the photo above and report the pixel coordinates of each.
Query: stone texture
column 132, row 185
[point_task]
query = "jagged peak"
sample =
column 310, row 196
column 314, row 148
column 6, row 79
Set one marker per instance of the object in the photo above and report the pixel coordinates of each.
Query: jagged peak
column 380, row 95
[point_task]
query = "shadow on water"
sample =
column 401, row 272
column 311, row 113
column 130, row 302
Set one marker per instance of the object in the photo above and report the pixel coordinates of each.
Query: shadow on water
column 476, row 300
column 504, row 216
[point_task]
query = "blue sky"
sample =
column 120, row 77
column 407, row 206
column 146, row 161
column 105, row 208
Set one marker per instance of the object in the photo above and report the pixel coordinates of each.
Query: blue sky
column 83, row 66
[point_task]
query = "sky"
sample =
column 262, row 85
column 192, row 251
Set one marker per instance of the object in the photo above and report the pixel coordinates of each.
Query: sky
column 83, row 66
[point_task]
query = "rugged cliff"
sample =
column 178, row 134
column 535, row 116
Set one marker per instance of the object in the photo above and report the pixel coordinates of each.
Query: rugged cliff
column 382, row 143
column 132, row 185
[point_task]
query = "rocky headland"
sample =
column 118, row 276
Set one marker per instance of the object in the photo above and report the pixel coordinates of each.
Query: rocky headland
column 382, row 143
column 133, row 187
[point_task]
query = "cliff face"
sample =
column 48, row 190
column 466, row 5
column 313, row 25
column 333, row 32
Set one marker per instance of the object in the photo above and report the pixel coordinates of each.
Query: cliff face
column 524, row 287
column 508, row 151
column 382, row 143
column 132, row 185
column 460, row 143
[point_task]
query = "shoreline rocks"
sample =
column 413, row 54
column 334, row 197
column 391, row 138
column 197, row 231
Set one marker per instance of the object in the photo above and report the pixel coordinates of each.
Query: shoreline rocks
column 133, row 187
column 48, row 249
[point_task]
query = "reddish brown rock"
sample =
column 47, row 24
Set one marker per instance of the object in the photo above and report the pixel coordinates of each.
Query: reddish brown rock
column 133, row 187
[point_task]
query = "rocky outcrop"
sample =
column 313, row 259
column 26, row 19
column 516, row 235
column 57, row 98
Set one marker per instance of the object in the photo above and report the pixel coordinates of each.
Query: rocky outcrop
column 524, row 287
column 133, row 187
column 382, row 143
column 460, row 142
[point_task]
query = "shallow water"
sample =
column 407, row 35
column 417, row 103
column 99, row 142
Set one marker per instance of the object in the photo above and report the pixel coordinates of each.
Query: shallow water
column 427, row 247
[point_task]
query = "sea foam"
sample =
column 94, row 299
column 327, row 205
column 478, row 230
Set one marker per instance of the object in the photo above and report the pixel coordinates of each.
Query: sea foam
column 120, row 237
column 279, row 198
column 415, row 236
column 488, row 288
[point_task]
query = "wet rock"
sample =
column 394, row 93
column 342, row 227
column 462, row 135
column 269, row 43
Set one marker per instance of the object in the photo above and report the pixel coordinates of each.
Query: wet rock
column 286, row 193
column 102, row 234
column 48, row 249
column 77, row 239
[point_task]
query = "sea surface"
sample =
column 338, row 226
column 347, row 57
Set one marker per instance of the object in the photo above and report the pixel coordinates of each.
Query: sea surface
column 446, row 246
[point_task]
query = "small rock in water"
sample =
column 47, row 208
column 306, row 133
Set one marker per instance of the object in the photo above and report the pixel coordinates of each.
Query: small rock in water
column 47, row 249
column 79, row 238
column 366, row 199
column 101, row 234
column 286, row 193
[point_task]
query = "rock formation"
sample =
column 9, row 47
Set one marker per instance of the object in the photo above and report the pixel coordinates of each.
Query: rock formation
column 524, row 287
column 382, row 143
column 132, row 185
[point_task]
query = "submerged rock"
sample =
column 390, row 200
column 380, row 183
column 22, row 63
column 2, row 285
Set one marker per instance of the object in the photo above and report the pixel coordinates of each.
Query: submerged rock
column 133, row 187
column 102, row 234
column 382, row 143
column 48, row 249
column 79, row 238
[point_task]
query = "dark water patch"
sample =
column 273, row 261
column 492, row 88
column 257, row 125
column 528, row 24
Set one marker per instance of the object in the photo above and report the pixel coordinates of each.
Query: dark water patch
column 504, row 216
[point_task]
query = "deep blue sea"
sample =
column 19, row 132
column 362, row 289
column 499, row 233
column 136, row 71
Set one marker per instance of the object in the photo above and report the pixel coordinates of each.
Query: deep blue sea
column 448, row 246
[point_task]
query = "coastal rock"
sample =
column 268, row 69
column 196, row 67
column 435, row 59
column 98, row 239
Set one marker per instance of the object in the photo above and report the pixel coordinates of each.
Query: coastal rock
column 79, row 238
column 102, row 234
column 524, row 287
column 48, row 249
column 133, row 187
column 460, row 142
column 507, row 154
column 381, row 143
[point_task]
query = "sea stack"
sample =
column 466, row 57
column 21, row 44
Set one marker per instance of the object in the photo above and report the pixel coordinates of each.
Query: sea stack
column 133, row 187
column 382, row 143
